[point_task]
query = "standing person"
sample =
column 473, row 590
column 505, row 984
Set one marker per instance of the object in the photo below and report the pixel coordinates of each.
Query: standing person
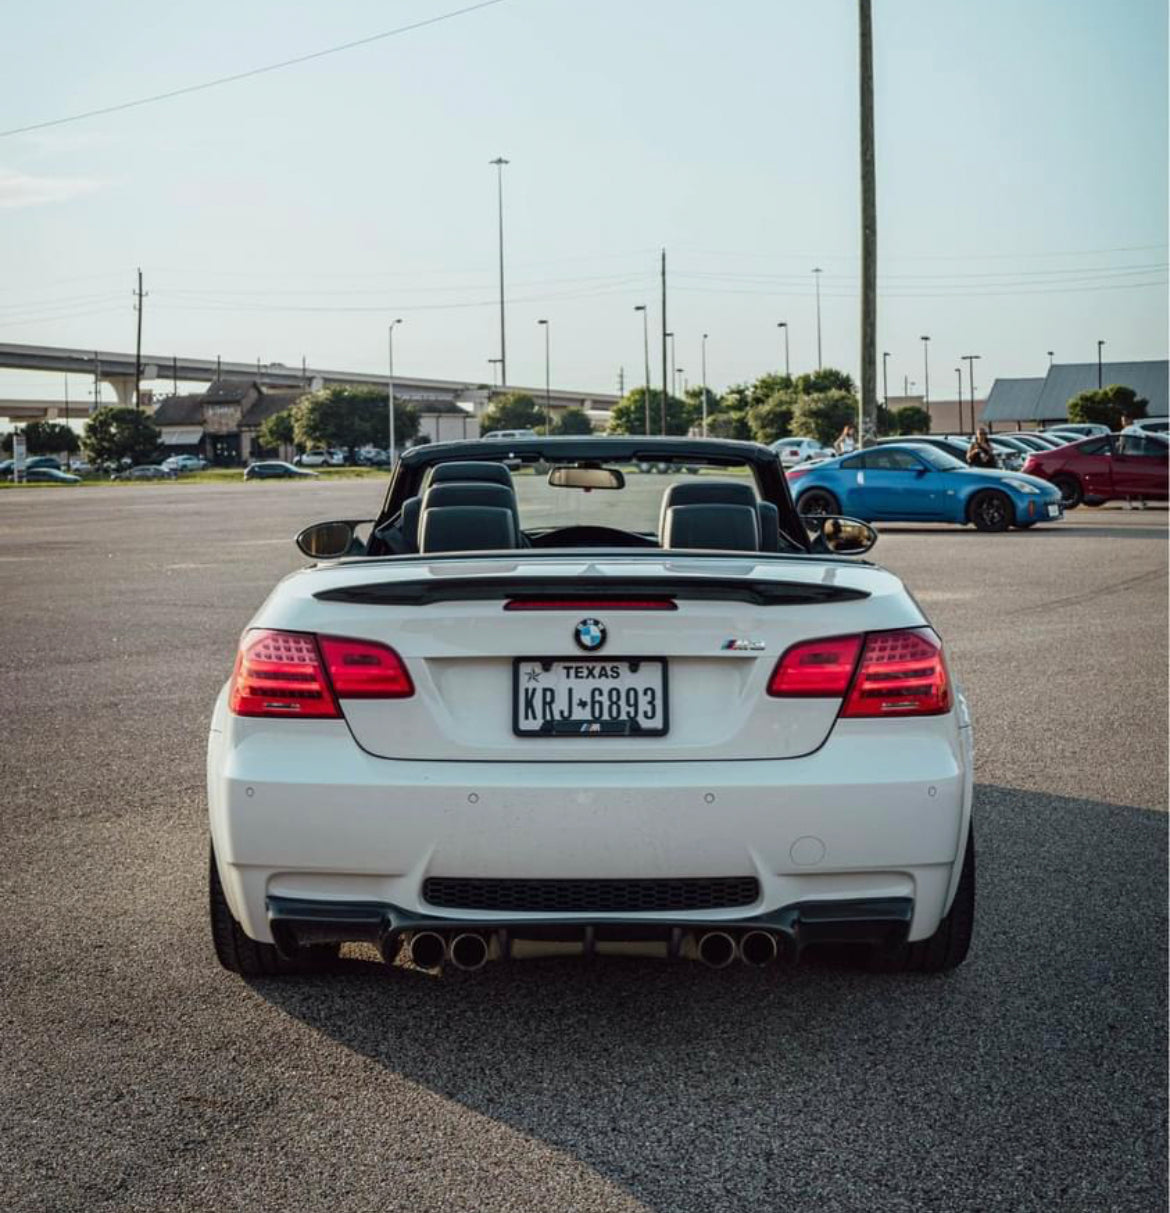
column 979, row 453
column 846, row 441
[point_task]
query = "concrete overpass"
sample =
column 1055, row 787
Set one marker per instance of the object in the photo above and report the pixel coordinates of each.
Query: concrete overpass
column 117, row 369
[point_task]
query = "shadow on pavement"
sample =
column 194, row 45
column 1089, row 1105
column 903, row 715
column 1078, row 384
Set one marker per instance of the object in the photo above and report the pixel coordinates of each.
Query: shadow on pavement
column 1029, row 1078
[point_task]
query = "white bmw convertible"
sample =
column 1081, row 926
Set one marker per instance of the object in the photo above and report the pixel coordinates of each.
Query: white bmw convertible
column 547, row 711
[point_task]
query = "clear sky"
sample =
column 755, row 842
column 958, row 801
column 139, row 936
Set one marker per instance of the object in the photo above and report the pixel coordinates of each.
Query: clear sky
column 1021, row 160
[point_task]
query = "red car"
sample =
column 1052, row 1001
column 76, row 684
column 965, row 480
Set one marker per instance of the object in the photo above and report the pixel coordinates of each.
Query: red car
column 1106, row 467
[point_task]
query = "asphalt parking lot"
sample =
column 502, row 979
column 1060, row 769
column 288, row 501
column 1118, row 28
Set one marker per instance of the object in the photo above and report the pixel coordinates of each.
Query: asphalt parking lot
column 136, row 1075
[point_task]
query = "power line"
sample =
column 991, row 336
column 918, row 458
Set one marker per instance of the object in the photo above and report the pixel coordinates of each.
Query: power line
column 256, row 71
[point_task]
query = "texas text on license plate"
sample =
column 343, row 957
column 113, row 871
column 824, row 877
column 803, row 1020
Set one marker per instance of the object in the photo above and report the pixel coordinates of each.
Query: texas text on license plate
column 589, row 697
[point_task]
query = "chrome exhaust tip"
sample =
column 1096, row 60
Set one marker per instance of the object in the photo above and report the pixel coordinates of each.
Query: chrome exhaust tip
column 426, row 949
column 757, row 948
column 468, row 952
column 717, row 949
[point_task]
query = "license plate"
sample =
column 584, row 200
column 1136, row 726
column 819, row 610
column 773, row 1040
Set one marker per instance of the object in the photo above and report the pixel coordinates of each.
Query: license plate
column 589, row 698
column 1053, row 509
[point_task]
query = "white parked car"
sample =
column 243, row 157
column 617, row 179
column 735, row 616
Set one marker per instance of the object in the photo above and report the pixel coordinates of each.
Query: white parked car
column 1150, row 425
column 664, row 722
column 800, row 450
column 317, row 457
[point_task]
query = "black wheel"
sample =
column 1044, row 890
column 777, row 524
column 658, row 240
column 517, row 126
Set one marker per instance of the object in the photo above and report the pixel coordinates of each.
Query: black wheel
column 1071, row 493
column 991, row 511
column 947, row 948
column 239, row 953
column 817, row 502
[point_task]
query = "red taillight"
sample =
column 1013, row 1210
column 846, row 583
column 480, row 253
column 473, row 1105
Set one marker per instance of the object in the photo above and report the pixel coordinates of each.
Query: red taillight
column 900, row 674
column 299, row 674
column 280, row 674
column 360, row 669
column 818, row 668
column 590, row 604
column 796, row 473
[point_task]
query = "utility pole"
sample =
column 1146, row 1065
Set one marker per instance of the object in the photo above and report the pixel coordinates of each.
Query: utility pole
column 547, row 392
column 783, row 324
column 138, row 343
column 959, row 373
column 886, row 379
column 218, row 364
column 665, row 381
column 641, row 307
column 499, row 162
column 393, row 450
column 97, row 381
column 705, row 381
column 304, row 372
column 621, row 381
column 817, row 280
column 65, row 380
column 175, row 373
column 868, row 231
column 970, row 360
column 673, row 376
column 926, row 371
column 1099, row 367
column 1050, row 354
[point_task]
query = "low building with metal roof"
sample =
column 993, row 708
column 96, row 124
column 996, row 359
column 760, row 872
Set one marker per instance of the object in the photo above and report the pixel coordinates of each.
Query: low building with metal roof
column 1045, row 401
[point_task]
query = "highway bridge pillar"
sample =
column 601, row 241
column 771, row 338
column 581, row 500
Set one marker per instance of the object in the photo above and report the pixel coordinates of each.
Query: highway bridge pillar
column 123, row 386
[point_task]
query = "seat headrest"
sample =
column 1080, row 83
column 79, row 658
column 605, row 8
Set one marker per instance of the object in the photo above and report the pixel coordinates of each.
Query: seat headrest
column 733, row 528
column 470, row 469
column 705, row 492
column 408, row 524
column 466, row 528
column 470, row 492
column 769, row 526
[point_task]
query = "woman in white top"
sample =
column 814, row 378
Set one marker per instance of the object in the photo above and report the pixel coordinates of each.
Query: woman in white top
column 847, row 442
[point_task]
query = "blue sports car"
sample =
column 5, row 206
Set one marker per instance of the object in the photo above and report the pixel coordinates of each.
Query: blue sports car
column 912, row 482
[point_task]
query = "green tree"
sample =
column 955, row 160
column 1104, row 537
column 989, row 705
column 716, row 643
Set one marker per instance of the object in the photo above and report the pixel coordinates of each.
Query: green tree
column 573, row 421
column 823, row 415
column 628, row 416
column 1107, row 406
column 772, row 418
column 114, row 433
column 827, row 379
column 350, row 417
column 730, row 423
column 278, row 430
column 46, row 438
column 514, row 411
column 693, row 401
column 910, row 419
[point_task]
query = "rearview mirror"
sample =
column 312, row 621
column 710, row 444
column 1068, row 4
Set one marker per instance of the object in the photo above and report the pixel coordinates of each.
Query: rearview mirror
column 330, row 540
column 840, row 536
column 586, row 478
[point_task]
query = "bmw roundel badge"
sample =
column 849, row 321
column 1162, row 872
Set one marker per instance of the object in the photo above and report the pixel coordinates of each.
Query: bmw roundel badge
column 589, row 635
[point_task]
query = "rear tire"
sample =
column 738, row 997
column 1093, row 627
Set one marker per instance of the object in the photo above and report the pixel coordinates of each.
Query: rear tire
column 1071, row 493
column 817, row 502
column 239, row 953
column 991, row 511
column 947, row 948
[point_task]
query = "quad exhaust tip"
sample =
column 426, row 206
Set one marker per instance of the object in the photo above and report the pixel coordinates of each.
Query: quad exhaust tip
column 717, row 949
column 757, row 948
column 427, row 949
column 468, row 951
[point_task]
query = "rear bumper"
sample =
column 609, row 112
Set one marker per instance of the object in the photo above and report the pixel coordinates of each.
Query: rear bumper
column 308, row 827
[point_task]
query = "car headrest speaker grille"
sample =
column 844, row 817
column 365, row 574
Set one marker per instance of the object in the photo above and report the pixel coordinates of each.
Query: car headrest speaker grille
column 734, row 528
column 470, row 469
column 466, row 528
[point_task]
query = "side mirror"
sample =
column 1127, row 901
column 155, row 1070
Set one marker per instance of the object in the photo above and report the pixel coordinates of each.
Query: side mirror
column 330, row 540
column 840, row 536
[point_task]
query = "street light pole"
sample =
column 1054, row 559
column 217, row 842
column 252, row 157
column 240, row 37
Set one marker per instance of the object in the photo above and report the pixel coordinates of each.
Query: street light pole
column 641, row 307
column 672, row 375
column 783, row 324
column 499, row 162
column 959, row 374
column 1050, row 353
column 704, row 385
column 547, row 392
column 926, row 372
column 817, row 280
column 970, row 360
column 1099, row 368
column 393, row 451
column 493, row 363
column 886, row 380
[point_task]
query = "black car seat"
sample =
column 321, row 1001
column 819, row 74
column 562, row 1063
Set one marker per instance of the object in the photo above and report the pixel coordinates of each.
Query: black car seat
column 769, row 526
column 470, row 469
column 705, row 492
column 466, row 528
column 471, row 492
column 716, row 526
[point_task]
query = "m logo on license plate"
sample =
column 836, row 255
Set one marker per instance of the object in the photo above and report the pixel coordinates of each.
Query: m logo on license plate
column 589, row 697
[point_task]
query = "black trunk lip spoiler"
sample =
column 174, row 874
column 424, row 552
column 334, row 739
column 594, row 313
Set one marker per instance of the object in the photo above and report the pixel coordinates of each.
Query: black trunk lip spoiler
column 754, row 591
